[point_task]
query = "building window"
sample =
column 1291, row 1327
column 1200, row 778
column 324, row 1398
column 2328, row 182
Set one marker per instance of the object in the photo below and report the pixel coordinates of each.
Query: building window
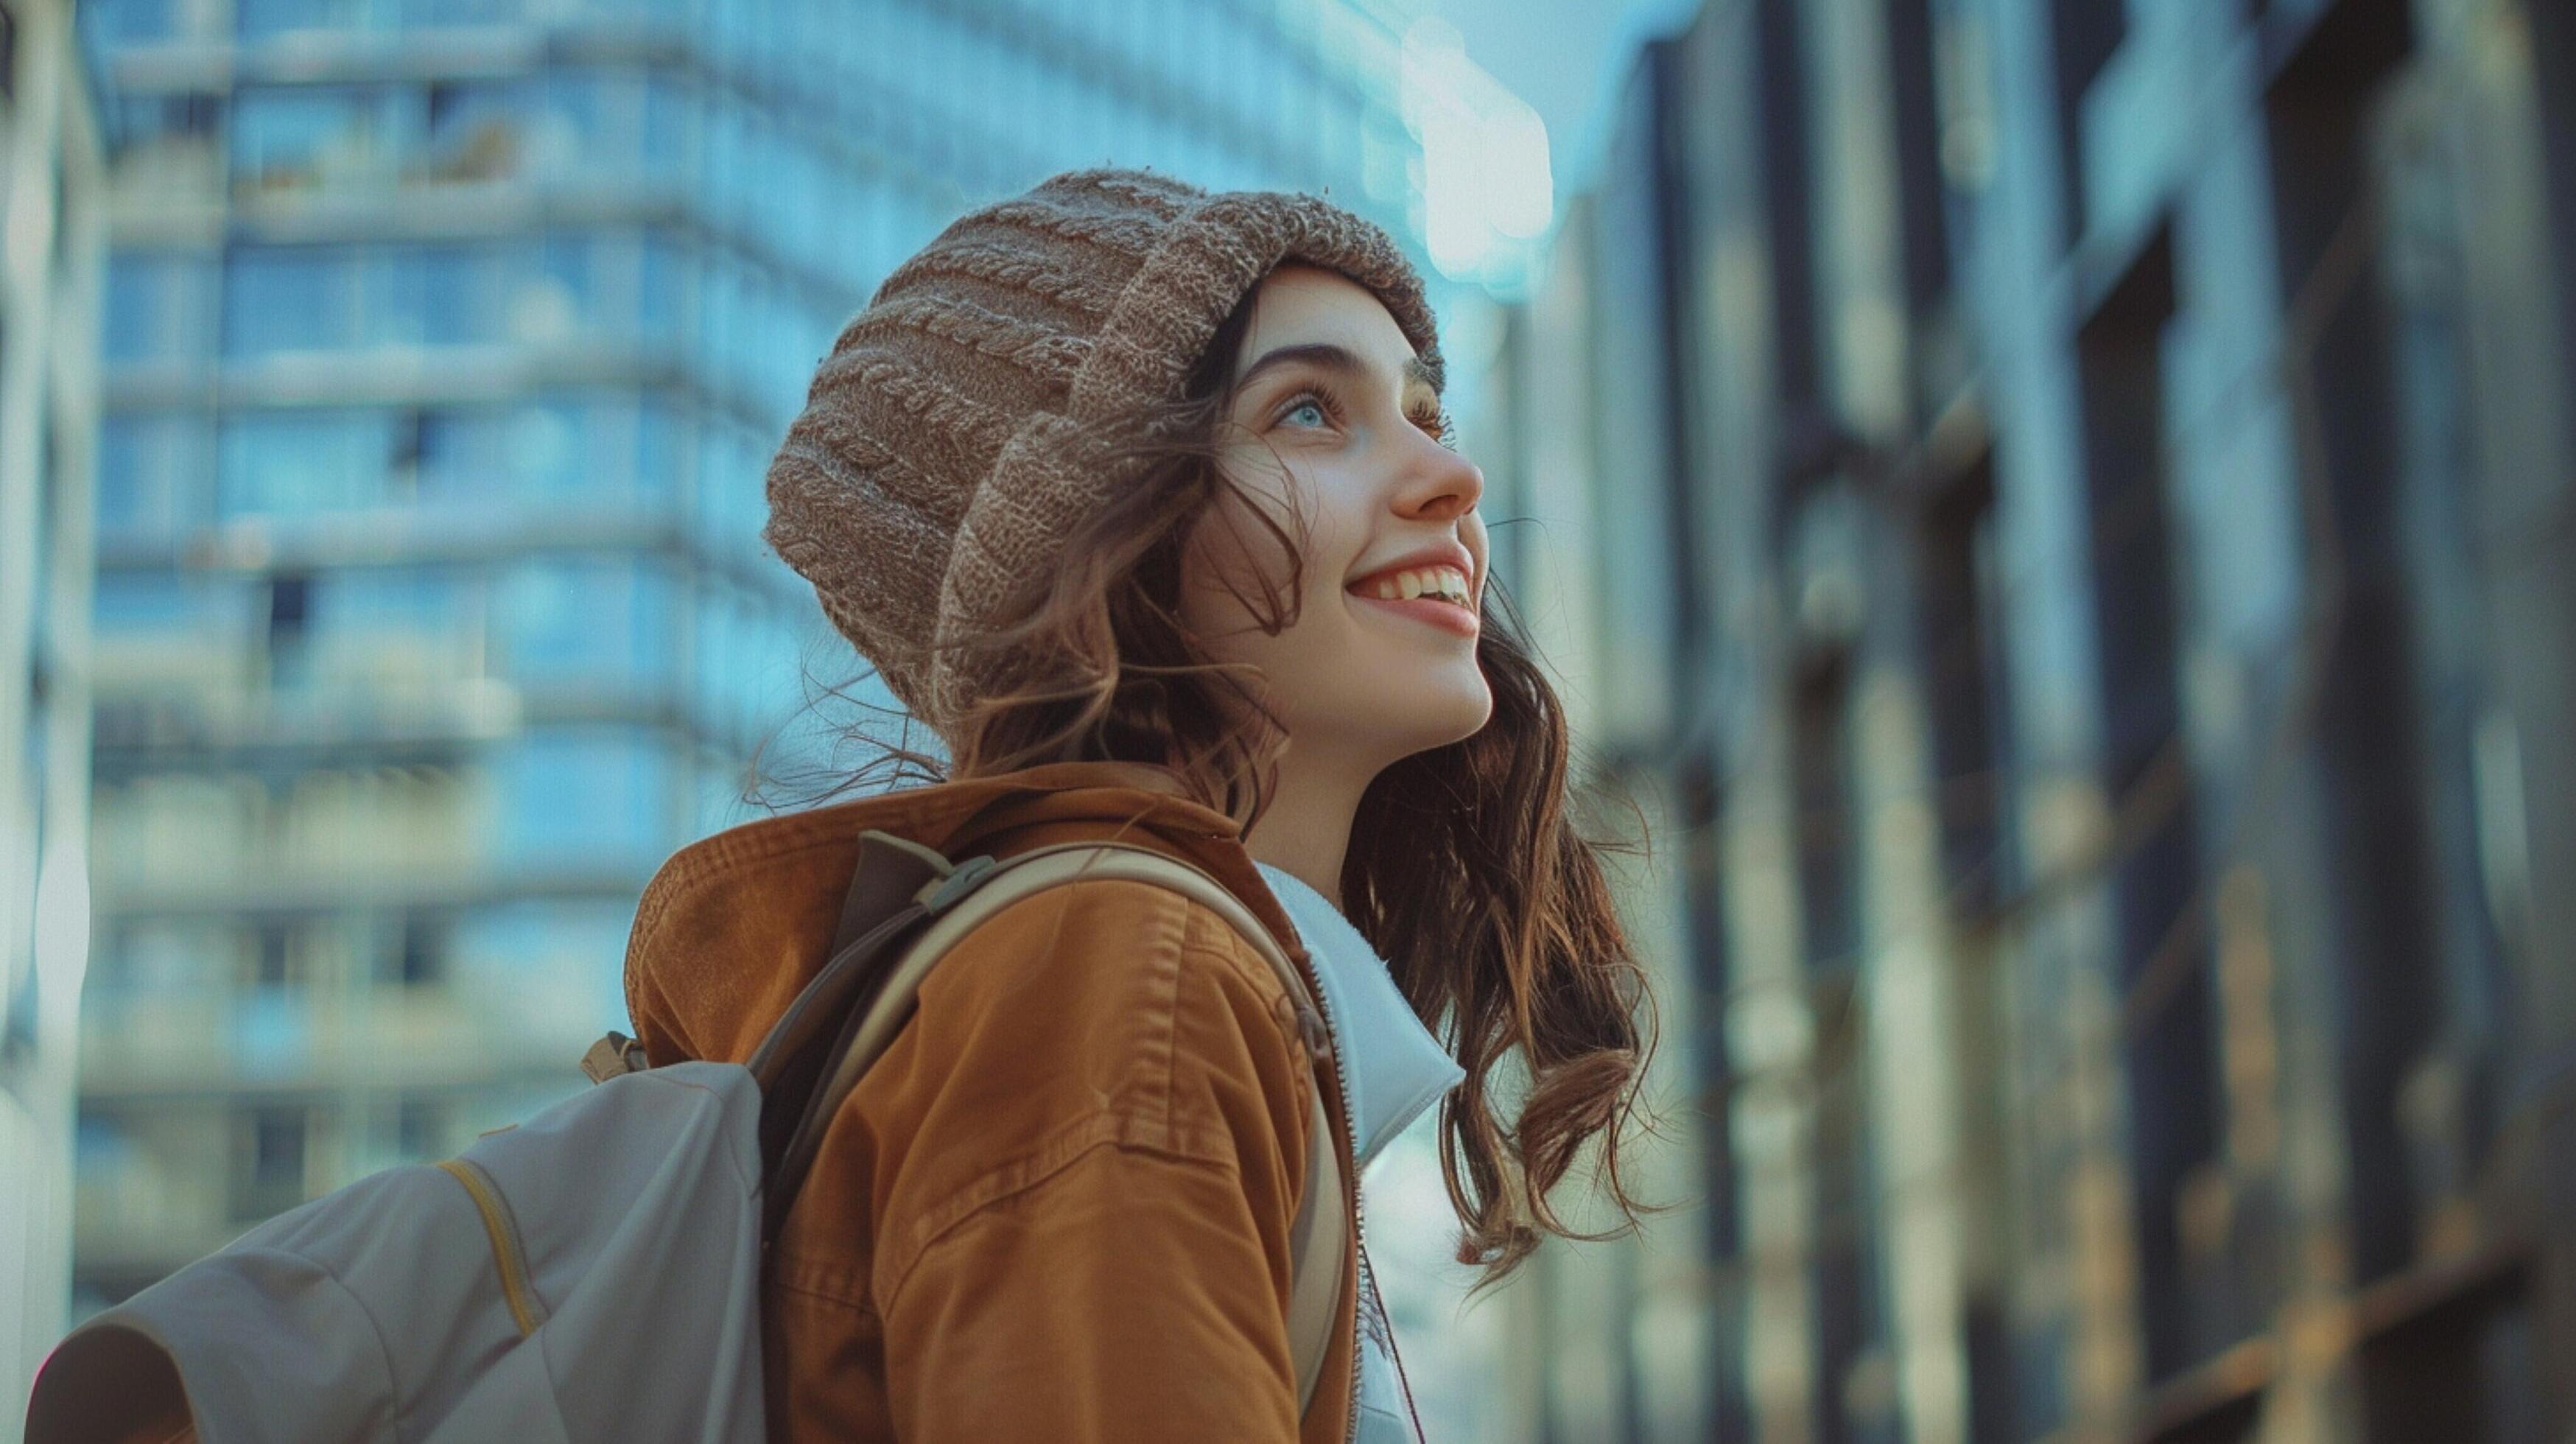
column 420, row 1129
column 1787, row 166
column 480, row 132
column 1851, row 1400
column 127, row 21
column 262, row 19
column 1959, row 606
column 151, row 478
column 297, row 463
column 2086, row 33
column 290, row 624
column 291, row 139
column 158, row 307
column 2464, row 1363
column 1649, row 600
column 2553, row 90
column 285, row 299
column 1921, row 192
column 1958, row 618
column 274, row 956
column 2318, row 119
column 420, row 952
column 2169, row 1052
column 1828, row 886
column 269, row 1160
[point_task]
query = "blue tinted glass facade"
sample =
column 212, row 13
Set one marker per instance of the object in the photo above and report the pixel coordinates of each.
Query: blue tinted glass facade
column 446, row 343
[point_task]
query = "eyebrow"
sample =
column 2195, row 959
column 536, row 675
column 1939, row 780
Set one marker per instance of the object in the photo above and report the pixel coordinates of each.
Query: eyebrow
column 1325, row 356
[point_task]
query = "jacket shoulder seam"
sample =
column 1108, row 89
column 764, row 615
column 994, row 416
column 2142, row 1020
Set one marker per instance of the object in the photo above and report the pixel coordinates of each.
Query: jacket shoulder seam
column 1162, row 925
column 1200, row 932
column 1210, row 935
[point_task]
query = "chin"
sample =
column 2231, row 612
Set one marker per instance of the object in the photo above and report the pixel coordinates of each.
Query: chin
column 1388, row 704
column 1440, row 715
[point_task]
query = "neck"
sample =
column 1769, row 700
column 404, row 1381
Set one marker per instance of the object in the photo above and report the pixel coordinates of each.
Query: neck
column 1306, row 829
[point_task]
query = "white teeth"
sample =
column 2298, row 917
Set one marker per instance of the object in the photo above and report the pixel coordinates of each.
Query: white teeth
column 1443, row 582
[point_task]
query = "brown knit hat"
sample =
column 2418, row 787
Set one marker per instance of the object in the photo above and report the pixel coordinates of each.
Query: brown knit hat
column 936, row 464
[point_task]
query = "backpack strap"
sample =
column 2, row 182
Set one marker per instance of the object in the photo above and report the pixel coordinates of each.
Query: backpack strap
column 951, row 905
column 897, row 888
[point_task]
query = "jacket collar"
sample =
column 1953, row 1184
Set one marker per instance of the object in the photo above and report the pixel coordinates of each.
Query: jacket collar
column 733, row 926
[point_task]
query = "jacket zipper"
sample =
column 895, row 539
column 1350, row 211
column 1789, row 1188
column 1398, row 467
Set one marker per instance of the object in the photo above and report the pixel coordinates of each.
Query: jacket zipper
column 1359, row 1222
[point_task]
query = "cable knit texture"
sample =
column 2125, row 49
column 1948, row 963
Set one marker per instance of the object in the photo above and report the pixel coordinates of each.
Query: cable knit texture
column 941, row 456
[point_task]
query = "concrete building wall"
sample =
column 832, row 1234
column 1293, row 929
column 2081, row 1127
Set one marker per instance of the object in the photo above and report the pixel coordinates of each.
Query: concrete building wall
column 50, row 216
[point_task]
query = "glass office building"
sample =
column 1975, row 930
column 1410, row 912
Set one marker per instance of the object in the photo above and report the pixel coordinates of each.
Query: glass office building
column 446, row 342
column 2065, row 504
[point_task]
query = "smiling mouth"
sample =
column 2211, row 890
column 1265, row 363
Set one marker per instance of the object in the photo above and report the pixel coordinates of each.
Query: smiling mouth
column 1440, row 583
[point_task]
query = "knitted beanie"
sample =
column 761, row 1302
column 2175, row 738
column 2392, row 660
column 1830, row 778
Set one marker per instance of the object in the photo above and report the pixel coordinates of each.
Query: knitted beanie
column 938, row 463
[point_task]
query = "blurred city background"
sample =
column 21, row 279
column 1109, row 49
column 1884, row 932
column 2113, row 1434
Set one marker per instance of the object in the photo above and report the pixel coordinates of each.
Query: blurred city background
column 2059, row 513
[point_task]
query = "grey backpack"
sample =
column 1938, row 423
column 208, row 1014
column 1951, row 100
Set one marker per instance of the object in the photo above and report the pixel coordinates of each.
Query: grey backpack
column 514, row 1292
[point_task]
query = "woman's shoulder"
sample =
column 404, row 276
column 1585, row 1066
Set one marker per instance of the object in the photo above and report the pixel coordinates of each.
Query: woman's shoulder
column 1099, row 1012
column 1098, row 949
column 1071, row 1051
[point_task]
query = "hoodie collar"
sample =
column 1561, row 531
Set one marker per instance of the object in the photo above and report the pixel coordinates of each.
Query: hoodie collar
column 1394, row 1066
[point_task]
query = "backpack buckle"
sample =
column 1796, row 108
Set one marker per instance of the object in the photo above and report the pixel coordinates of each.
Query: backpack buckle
column 613, row 1056
column 941, row 893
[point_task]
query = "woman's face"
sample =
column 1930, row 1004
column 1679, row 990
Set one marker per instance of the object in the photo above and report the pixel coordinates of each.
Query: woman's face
column 1331, row 426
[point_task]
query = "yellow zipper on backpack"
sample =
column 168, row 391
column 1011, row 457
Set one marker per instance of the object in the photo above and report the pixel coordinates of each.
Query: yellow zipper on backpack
column 504, row 1233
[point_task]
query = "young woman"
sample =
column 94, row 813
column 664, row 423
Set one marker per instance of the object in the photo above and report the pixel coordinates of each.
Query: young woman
column 1142, row 498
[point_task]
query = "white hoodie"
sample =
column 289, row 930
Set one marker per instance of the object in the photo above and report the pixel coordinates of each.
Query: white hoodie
column 1395, row 1069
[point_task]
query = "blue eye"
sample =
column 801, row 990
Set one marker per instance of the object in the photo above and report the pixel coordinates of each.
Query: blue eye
column 1309, row 405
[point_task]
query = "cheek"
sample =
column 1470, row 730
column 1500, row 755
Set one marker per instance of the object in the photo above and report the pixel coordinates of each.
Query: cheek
column 1247, row 543
column 1227, row 596
column 1216, row 562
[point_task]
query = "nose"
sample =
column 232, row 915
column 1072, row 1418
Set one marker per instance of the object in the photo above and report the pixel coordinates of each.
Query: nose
column 1439, row 484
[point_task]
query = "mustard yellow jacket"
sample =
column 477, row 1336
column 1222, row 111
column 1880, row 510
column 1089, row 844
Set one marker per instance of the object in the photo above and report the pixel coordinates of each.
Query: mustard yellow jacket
column 1059, row 1206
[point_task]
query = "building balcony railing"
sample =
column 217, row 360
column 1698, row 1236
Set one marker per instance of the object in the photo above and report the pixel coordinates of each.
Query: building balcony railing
column 382, row 884
column 350, row 56
column 375, row 723
column 131, row 1236
column 410, row 537
column 165, row 1184
column 426, row 376
column 1191, row 103
column 353, row 56
column 138, row 1216
column 176, row 204
column 209, row 1045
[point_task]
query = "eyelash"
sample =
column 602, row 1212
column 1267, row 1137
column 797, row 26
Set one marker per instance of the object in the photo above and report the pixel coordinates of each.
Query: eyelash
column 1436, row 425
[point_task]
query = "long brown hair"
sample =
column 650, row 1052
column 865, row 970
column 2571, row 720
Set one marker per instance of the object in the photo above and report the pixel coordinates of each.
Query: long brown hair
column 1466, row 868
